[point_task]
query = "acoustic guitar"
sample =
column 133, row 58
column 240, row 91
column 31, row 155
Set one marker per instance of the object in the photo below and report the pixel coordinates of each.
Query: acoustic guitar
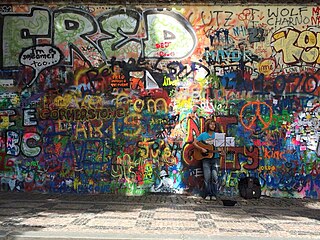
column 199, row 155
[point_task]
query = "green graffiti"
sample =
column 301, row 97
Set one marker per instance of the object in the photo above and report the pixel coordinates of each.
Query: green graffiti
column 19, row 32
column 123, row 31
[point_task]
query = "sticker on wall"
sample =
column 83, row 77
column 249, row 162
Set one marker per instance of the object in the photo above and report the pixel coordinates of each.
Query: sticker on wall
column 39, row 58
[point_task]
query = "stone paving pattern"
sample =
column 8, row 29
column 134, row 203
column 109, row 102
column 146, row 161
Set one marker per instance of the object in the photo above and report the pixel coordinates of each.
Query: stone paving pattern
column 215, row 2
column 172, row 214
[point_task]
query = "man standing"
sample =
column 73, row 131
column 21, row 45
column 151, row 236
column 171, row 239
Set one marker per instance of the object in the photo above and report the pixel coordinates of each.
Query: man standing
column 211, row 160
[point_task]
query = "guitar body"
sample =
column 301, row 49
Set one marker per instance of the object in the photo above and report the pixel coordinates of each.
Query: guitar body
column 199, row 155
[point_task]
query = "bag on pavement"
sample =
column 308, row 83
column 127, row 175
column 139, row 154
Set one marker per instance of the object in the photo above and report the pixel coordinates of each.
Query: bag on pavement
column 249, row 187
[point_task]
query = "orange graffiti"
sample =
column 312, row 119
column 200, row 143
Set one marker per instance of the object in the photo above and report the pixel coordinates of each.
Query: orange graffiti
column 254, row 109
column 246, row 16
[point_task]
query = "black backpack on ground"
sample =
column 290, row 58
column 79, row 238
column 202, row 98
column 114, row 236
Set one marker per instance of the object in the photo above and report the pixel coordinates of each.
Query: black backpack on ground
column 249, row 187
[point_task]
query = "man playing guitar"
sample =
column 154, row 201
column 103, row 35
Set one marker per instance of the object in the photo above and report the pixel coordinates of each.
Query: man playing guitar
column 204, row 143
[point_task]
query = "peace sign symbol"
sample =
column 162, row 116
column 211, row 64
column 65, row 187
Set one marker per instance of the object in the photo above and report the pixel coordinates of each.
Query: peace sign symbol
column 256, row 116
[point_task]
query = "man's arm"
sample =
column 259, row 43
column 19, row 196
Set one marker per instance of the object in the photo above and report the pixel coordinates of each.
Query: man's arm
column 195, row 143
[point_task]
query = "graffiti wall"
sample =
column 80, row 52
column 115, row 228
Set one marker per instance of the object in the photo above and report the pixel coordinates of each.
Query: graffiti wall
column 108, row 99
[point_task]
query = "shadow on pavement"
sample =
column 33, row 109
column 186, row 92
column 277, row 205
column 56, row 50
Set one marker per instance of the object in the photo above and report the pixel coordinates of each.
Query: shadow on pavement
column 21, row 212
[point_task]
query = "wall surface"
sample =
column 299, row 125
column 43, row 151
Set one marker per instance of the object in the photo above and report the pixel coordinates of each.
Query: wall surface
column 108, row 99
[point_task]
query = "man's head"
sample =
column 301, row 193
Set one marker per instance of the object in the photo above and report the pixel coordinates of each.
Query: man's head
column 210, row 125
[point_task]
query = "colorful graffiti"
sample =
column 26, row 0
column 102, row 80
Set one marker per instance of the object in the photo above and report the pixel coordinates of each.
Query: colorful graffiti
column 108, row 99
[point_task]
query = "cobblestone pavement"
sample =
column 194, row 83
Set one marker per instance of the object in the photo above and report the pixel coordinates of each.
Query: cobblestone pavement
column 31, row 215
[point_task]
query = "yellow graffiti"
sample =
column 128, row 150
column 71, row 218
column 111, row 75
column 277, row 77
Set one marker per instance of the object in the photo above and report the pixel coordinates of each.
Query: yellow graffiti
column 158, row 121
column 267, row 168
column 81, row 128
column 153, row 106
column 93, row 101
column 78, row 75
column 267, row 66
column 155, row 153
column 148, row 172
column 76, row 183
column 125, row 160
column 163, row 153
column 4, row 121
column 159, row 104
column 231, row 181
column 92, row 129
column 95, row 131
column 122, row 99
column 295, row 45
column 168, row 82
column 166, row 152
column 63, row 101
column 171, row 161
column 138, row 105
column 184, row 104
column 144, row 149
column 123, row 168
column 133, row 125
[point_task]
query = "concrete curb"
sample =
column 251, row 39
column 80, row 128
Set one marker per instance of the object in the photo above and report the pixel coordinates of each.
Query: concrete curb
column 3, row 235
column 112, row 236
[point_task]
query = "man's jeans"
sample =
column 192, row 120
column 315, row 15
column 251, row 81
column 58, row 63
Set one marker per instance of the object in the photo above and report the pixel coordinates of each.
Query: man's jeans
column 210, row 172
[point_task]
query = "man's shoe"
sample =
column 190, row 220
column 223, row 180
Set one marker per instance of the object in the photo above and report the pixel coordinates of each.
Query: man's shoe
column 208, row 198
column 204, row 196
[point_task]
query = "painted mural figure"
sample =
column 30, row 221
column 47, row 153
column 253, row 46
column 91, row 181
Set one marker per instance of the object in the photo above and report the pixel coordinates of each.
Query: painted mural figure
column 165, row 185
column 210, row 157
column 136, row 80
column 118, row 78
